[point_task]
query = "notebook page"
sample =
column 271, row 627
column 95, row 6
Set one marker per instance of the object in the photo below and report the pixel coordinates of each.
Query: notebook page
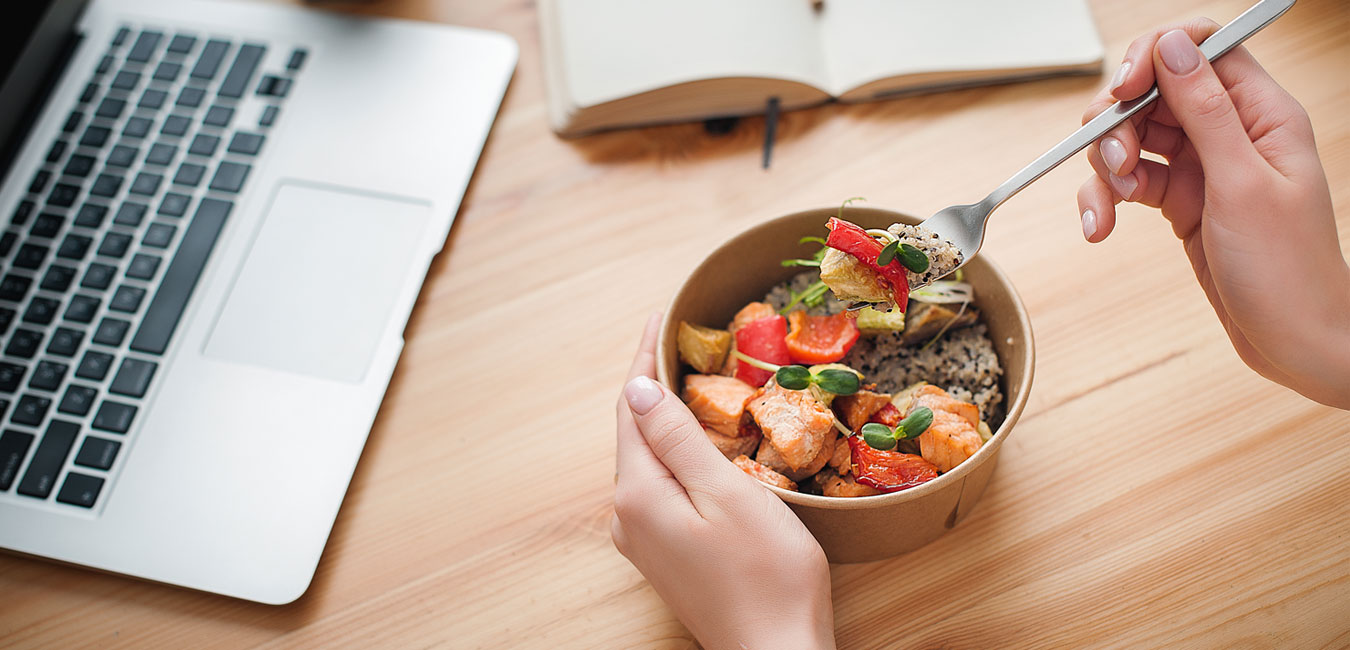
column 615, row 48
column 867, row 40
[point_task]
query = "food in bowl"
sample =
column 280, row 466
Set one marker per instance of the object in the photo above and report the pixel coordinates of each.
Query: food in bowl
column 807, row 395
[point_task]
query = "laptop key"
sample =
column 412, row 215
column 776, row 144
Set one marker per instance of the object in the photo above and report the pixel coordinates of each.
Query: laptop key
column 297, row 59
column 167, row 71
column 24, row 343
column 189, row 174
column 110, row 108
column 144, row 47
column 166, row 308
column 137, row 127
column 213, row 54
column 50, row 455
column 245, row 143
column 204, row 145
column 127, row 299
column 30, row 256
column 7, row 242
column 143, row 266
column 14, row 287
column 174, row 204
column 125, row 80
column 91, row 215
column 218, row 116
column 114, row 416
column 23, row 212
column 175, row 125
column 123, row 155
column 146, row 184
column 191, row 97
column 11, row 375
column 65, row 342
column 94, row 365
column 241, row 72
column 182, row 43
column 63, row 195
column 105, row 64
column 40, row 181
column 130, row 214
column 31, row 410
column 47, row 225
column 41, row 311
column 159, row 235
column 95, row 137
column 106, row 185
column 121, row 36
column 98, row 276
column 13, row 447
column 111, row 331
column 80, row 490
column 115, row 245
column 58, row 278
column 48, row 375
column 78, row 400
column 133, row 377
column 74, row 247
column 230, row 177
column 81, row 309
column 58, row 149
column 152, row 99
column 7, row 317
column 269, row 116
column 161, row 154
column 96, row 452
column 274, row 86
column 79, row 165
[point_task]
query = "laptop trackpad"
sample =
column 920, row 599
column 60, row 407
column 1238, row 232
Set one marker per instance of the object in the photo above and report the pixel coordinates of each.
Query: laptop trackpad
column 315, row 292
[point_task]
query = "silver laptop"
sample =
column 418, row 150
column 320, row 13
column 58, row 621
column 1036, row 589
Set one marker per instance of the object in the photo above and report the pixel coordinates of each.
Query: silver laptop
column 214, row 222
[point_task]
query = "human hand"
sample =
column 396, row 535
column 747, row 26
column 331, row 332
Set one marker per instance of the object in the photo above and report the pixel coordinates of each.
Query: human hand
column 1246, row 194
column 737, row 567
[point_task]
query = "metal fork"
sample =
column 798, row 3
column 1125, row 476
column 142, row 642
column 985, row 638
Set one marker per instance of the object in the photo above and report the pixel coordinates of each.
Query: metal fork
column 963, row 225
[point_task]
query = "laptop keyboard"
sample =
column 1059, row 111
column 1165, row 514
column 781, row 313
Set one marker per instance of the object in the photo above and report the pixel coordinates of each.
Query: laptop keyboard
column 105, row 248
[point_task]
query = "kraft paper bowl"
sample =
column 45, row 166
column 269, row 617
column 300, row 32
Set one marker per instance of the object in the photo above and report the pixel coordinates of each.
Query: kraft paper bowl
column 865, row 528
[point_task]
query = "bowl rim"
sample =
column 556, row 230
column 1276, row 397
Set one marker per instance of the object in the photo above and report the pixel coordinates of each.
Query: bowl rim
column 989, row 448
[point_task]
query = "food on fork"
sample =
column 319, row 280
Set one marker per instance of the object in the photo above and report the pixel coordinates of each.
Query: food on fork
column 883, row 266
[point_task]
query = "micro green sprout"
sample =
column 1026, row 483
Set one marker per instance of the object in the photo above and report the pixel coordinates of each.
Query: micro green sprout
column 880, row 436
column 830, row 380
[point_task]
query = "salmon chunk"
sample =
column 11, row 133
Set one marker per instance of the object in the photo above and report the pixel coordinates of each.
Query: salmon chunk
column 795, row 423
column 857, row 408
column 732, row 447
column 834, row 485
column 717, row 401
column 948, row 441
column 769, row 457
column 763, row 474
column 937, row 399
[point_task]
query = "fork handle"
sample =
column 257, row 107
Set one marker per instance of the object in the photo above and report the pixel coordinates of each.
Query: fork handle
column 1228, row 37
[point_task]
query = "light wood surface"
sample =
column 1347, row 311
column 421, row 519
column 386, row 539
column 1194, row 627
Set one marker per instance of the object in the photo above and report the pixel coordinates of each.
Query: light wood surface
column 1156, row 492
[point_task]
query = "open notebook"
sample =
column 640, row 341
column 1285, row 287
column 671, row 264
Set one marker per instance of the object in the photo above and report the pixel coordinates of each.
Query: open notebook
column 611, row 63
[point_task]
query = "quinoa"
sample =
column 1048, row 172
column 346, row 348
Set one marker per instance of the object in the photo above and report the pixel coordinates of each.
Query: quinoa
column 961, row 362
column 943, row 256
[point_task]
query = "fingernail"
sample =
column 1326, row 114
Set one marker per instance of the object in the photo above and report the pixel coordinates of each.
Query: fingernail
column 1089, row 224
column 1178, row 52
column 1125, row 185
column 1121, row 72
column 642, row 395
column 1113, row 152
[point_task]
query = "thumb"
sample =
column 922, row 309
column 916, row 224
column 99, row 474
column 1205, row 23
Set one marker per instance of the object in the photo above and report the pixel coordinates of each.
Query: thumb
column 675, row 436
column 1201, row 104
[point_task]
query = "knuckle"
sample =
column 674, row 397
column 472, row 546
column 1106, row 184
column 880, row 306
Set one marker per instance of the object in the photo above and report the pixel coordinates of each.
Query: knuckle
column 628, row 504
column 1212, row 104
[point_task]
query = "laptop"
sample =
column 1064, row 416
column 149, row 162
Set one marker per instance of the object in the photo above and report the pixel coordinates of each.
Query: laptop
column 214, row 221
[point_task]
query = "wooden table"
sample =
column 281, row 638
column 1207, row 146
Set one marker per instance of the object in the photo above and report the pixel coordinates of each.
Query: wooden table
column 1155, row 493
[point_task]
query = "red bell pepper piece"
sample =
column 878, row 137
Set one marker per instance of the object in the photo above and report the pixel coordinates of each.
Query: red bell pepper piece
column 888, row 471
column 888, row 415
column 820, row 339
column 853, row 240
column 762, row 340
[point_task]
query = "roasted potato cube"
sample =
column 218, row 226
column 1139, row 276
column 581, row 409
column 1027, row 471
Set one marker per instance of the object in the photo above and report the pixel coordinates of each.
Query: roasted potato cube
column 703, row 348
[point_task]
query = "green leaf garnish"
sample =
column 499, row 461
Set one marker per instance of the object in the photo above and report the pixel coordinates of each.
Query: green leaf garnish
column 912, row 258
column 845, row 204
column 807, row 240
column 887, row 253
column 839, row 382
column 815, row 263
column 878, row 436
column 914, row 425
column 793, row 377
column 810, row 296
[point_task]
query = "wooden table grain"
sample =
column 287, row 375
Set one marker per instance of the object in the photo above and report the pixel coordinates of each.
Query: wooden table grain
column 1156, row 493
